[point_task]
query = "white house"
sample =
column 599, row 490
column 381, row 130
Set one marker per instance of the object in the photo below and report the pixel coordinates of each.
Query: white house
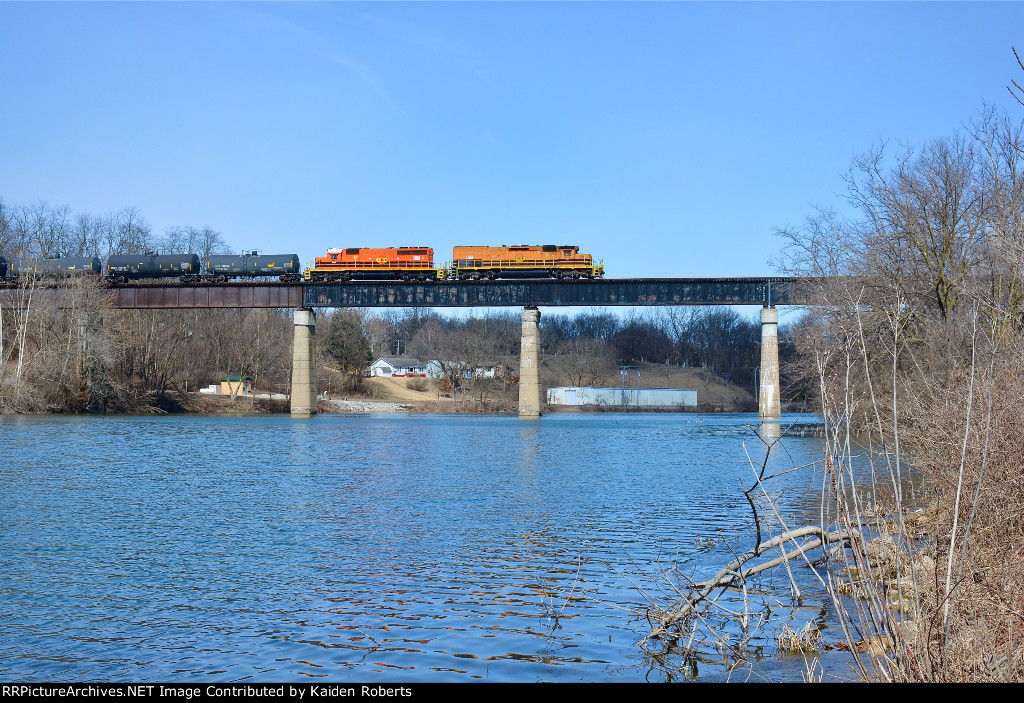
column 390, row 366
column 434, row 369
column 486, row 369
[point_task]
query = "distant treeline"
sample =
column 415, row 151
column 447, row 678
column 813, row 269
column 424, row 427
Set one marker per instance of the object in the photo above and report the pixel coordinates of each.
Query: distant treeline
column 582, row 346
column 45, row 230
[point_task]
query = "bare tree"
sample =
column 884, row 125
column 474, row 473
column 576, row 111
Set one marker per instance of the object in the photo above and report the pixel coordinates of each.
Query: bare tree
column 925, row 218
column 202, row 241
column 1017, row 91
column 584, row 361
column 6, row 234
column 86, row 237
column 462, row 353
column 127, row 232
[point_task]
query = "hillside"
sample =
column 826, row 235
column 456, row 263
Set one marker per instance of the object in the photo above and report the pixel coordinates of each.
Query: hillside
column 713, row 393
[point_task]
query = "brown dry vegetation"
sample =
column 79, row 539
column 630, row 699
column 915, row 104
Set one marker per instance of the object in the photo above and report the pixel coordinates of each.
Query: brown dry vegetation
column 84, row 356
column 913, row 358
column 917, row 352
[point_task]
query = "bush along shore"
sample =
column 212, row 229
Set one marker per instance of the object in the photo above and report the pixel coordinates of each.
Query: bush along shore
column 913, row 360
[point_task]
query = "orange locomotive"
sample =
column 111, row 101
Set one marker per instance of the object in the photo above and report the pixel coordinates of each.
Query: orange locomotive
column 523, row 261
column 403, row 263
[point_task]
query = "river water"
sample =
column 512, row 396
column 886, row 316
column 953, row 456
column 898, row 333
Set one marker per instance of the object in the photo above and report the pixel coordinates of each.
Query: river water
column 371, row 548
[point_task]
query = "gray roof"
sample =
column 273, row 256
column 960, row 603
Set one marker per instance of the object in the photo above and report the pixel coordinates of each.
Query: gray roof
column 406, row 362
column 475, row 364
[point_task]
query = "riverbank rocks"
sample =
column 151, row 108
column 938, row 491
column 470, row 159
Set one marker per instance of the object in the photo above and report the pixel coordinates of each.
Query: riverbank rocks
column 362, row 406
column 892, row 571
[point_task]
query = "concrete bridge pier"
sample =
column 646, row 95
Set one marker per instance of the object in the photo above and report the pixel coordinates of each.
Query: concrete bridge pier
column 769, row 405
column 304, row 364
column 529, row 365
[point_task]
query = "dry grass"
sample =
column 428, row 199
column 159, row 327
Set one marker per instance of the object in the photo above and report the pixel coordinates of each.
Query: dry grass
column 807, row 641
column 940, row 586
column 421, row 385
column 930, row 593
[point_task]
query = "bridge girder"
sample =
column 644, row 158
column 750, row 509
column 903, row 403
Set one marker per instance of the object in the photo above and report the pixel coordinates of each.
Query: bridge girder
column 513, row 293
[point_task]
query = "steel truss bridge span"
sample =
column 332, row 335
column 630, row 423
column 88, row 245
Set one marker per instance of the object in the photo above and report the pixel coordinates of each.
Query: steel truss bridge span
column 511, row 293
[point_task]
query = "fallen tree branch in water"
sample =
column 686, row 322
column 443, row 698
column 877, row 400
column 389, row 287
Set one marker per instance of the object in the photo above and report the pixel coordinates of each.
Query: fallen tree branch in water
column 733, row 572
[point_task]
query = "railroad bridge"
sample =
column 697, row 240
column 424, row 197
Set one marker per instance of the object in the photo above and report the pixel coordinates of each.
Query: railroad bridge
column 530, row 295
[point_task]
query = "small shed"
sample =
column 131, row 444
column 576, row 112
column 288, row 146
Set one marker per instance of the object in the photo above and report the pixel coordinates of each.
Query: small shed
column 237, row 385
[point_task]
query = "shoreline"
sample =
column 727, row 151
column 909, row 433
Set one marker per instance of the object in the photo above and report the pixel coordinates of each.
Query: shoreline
column 209, row 405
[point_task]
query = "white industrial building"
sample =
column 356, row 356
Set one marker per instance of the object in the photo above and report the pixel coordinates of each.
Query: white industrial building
column 623, row 397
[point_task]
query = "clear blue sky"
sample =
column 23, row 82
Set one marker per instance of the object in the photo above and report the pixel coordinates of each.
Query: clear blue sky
column 669, row 139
